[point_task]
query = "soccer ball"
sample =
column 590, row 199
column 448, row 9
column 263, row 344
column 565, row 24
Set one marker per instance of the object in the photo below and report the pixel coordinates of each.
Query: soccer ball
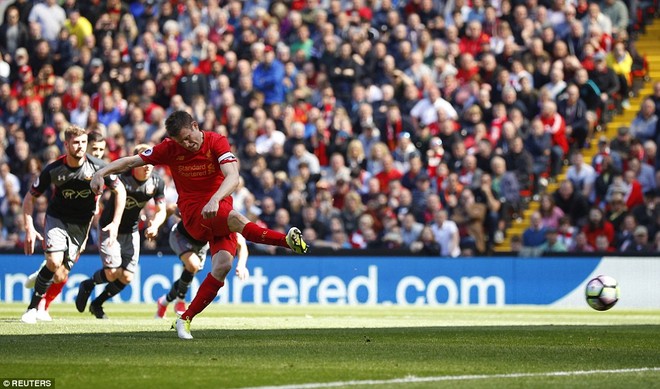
column 602, row 293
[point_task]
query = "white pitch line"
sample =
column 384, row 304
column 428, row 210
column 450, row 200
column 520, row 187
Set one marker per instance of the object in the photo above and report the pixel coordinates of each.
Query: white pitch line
column 413, row 379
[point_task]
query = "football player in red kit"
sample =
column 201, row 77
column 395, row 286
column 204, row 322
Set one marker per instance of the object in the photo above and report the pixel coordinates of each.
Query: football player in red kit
column 205, row 172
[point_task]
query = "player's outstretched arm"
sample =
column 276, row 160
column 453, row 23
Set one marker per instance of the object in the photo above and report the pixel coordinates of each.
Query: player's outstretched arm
column 242, row 271
column 31, row 234
column 114, row 167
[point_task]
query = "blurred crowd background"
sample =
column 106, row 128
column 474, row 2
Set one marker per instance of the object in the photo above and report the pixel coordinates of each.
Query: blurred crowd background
column 417, row 125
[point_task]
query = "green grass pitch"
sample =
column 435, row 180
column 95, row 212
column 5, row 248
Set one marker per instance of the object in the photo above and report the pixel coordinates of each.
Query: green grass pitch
column 329, row 346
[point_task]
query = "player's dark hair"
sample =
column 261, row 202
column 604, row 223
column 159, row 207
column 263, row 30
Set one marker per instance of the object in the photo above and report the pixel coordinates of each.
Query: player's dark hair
column 94, row 137
column 177, row 121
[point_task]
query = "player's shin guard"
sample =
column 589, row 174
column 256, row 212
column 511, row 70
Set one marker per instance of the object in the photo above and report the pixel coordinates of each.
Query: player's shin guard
column 171, row 295
column 44, row 279
column 112, row 289
column 257, row 234
column 53, row 291
column 205, row 295
column 182, row 286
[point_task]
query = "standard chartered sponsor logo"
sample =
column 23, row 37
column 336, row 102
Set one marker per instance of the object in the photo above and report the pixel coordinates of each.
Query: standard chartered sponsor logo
column 363, row 289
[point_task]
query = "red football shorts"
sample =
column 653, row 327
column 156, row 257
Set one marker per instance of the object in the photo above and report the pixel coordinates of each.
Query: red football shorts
column 215, row 230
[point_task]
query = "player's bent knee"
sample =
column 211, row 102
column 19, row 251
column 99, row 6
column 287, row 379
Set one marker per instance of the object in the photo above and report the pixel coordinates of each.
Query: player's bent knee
column 52, row 267
column 221, row 266
column 54, row 261
column 220, row 273
column 111, row 273
column 192, row 263
column 126, row 277
column 224, row 267
column 236, row 221
column 195, row 268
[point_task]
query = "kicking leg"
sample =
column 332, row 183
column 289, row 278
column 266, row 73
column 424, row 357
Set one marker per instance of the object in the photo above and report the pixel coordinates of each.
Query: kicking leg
column 254, row 233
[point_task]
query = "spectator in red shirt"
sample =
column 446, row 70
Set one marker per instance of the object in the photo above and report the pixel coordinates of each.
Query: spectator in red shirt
column 555, row 125
column 603, row 245
column 205, row 65
column 468, row 69
column 474, row 39
column 635, row 195
column 389, row 173
column 596, row 226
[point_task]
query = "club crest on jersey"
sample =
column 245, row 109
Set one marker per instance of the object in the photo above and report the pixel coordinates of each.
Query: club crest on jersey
column 150, row 188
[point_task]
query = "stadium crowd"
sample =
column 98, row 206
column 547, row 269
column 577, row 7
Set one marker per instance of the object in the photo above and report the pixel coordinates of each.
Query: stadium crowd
column 422, row 124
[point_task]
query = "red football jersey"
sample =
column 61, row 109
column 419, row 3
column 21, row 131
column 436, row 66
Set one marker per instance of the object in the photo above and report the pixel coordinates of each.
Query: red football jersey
column 197, row 176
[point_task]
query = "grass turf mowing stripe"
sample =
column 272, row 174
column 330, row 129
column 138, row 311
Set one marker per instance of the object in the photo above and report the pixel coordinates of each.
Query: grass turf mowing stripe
column 412, row 379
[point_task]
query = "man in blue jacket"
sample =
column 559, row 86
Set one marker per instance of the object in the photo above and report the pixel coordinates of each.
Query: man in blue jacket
column 268, row 78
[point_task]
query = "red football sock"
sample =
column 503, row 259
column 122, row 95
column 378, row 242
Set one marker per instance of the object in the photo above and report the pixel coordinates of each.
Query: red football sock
column 256, row 234
column 205, row 295
column 53, row 291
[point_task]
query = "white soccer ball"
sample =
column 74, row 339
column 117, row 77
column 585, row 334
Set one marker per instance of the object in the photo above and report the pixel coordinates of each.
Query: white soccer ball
column 602, row 293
